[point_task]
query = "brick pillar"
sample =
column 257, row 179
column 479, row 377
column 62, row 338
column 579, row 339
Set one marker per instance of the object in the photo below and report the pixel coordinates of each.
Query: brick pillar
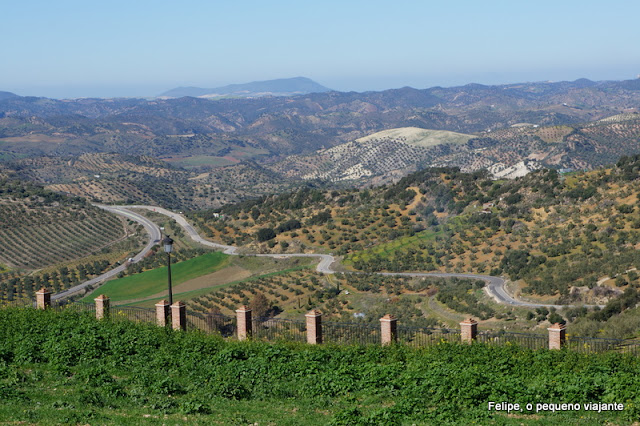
column 314, row 327
column 557, row 336
column 468, row 330
column 243, row 316
column 179, row 316
column 163, row 313
column 388, row 329
column 102, row 306
column 43, row 298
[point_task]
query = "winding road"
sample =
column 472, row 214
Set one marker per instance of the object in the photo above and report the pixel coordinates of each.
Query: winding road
column 154, row 235
column 495, row 287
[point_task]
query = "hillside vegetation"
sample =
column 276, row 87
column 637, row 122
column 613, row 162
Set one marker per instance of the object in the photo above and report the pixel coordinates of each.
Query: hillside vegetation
column 55, row 241
column 220, row 172
column 40, row 228
column 69, row 368
column 567, row 239
column 124, row 179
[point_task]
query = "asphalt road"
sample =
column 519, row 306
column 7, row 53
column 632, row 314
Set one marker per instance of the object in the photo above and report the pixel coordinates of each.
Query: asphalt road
column 326, row 260
column 154, row 234
column 495, row 287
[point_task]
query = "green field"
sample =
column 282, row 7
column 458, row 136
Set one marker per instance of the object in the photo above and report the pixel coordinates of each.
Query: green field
column 154, row 281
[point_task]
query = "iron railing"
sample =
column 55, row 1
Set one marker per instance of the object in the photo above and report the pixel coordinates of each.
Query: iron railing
column 211, row 323
column 598, row 345
column 133, row 313
column 278, row 329
column 350, row 333
column 426, row 336
column 525, row 340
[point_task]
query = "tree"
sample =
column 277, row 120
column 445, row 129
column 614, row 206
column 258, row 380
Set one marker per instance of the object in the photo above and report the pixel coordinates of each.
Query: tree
column 259, row 305
column 265, row 234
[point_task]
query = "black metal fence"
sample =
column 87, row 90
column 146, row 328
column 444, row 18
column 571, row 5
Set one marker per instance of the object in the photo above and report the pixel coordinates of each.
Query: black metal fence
column 76, row 307
column 211, row 323
column 132, row 313
column 525, row 340
column 597, row 345
column 426, row 336
column 350, row 333
column 278, row 329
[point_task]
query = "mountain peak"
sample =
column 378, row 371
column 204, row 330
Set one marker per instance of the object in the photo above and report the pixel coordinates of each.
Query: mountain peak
column 279, row 87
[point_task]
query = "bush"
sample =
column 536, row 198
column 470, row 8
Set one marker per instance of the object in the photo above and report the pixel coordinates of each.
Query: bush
column 265, row 234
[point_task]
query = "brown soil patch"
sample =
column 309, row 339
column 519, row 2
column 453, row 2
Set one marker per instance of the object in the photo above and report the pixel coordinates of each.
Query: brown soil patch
column 223, row 276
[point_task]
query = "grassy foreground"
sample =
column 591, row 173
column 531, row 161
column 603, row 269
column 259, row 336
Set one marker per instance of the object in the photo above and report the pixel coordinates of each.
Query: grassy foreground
column 69, row 368
column 154, row 281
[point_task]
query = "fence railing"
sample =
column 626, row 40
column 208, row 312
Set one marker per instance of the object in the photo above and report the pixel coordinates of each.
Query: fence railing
column 597, row 345
column 426, row 336
column 313, row 330
column 278, row 329
column 350, row 333
column 211, row 323
column 525, row 340
column 133, row 313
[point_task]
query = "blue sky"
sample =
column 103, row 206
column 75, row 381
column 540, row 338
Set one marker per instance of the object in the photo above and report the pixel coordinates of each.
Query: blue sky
column 69, row 48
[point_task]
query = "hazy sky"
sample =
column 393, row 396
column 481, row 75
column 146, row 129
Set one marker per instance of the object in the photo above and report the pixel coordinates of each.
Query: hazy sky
column 69, row 48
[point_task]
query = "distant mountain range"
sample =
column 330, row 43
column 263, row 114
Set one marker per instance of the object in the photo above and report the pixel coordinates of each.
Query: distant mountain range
column 238, row 147
column 7, row 95
column 279, row 87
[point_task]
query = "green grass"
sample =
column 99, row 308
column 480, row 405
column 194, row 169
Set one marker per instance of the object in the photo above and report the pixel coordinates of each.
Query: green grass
column 154, row 281
column 68, row 368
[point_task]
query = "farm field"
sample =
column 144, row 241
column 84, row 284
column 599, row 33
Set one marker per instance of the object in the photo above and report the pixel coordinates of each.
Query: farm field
column 152, row 282
column 191, row 278
column 55, row 241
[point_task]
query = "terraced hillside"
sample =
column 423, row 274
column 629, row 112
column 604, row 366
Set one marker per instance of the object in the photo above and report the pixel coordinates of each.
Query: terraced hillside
column 47, row 239
column 389, row 153
column 387, row 156
column 120, row 179
column 40, row 228
column 566, row 239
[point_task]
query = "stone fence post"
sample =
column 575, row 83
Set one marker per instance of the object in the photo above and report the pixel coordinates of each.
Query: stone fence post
column 243, row 319
column 557, row 336
column 163, row 313
column 43, row 298
column 314, row 327
column 468, row 330
column 102, row 306
column 388, row 329
column 179, row 316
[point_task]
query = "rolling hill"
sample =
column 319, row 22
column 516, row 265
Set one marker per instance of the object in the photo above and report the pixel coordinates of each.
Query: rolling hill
column 278, row 126
column 560, row 238
column 383, row 155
